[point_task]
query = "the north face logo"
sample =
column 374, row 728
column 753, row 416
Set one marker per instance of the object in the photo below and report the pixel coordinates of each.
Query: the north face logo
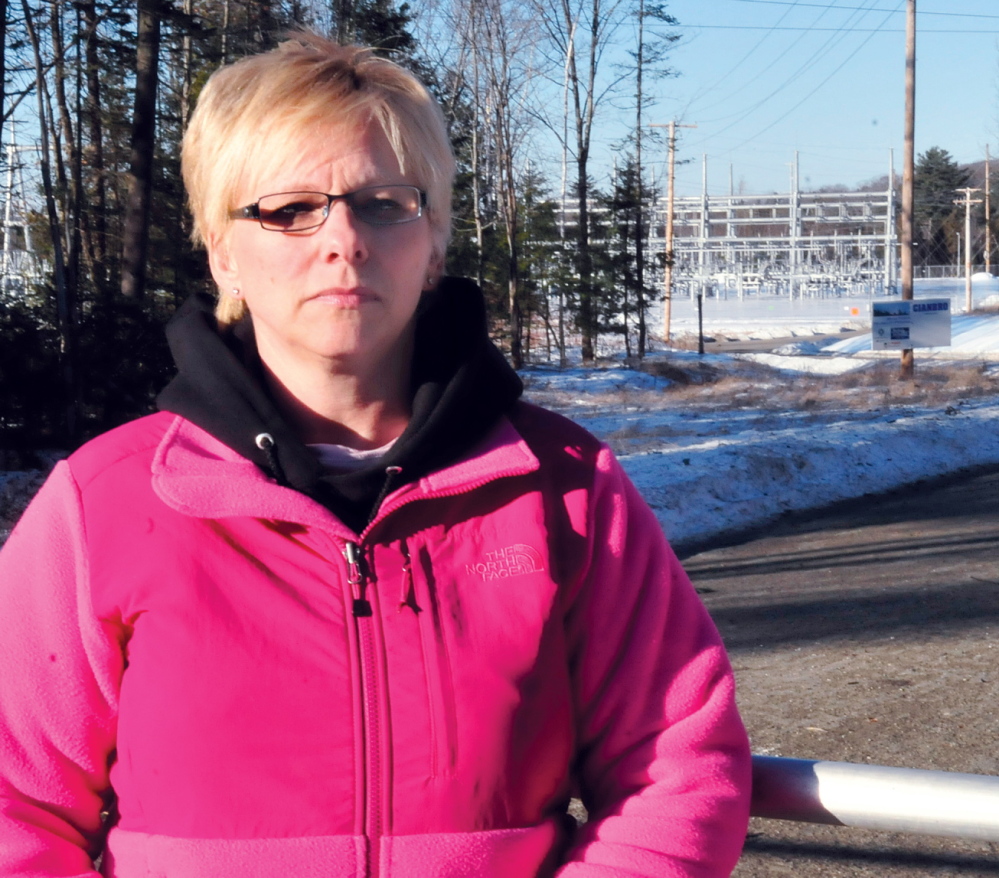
column 511, row 561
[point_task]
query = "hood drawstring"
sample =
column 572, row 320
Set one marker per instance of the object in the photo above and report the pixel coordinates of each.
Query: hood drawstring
column 265, row 442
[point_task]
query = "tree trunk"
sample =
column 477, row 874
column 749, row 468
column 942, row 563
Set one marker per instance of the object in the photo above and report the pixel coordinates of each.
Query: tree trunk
column 225, row 32
column 95, row 228
column 639, row 213
column 343, row 21
column 73, row 185
column 480, row 233
column 583, row 116
column 584, row 258
column 511, row 221
column 570, row 52
column 185, row 87
column 502, row 49
column 135, row 233
column 3, row 63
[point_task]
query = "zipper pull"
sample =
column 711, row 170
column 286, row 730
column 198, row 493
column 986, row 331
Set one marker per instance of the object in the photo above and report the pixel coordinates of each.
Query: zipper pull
column 357, row 578
column 407, row 596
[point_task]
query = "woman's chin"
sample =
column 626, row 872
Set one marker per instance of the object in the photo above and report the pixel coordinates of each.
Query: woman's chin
column 352, row 353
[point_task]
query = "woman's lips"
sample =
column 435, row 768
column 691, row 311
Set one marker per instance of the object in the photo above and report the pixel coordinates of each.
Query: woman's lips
column 345, row 297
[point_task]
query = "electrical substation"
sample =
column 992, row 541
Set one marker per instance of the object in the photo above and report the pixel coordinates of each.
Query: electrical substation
column 21, row 268
column 794, row 244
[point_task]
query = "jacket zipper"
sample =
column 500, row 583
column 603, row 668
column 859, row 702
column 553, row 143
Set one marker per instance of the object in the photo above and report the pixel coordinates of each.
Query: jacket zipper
column 357, row 577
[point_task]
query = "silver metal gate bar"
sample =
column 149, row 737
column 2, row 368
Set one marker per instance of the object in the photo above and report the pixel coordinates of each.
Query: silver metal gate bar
column 876, row 797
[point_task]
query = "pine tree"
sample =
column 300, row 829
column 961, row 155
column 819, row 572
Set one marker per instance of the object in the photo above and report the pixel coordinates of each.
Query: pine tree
column 936, row 180
column 626, row 295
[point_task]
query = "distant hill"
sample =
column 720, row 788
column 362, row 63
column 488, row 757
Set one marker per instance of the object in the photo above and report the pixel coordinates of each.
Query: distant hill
column 977, row 169
column 879, row 184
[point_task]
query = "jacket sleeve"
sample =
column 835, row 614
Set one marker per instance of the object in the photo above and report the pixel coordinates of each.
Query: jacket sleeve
column 663, row 761
column 58, row 692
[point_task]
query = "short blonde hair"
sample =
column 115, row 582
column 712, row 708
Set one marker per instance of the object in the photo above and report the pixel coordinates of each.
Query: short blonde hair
column 308, row 86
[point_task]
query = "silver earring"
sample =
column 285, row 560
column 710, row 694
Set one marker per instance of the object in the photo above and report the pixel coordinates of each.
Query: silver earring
column 235, row 292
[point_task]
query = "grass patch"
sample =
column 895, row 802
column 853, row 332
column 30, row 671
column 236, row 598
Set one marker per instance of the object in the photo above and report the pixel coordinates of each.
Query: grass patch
column 748, row 385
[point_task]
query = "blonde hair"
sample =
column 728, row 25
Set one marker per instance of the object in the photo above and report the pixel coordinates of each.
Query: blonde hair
column 308, row 86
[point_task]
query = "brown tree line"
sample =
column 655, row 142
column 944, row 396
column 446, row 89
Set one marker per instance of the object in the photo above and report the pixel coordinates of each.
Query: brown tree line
column 103, row 90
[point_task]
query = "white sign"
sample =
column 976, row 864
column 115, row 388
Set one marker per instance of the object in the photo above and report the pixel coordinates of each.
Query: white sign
column 910, row 323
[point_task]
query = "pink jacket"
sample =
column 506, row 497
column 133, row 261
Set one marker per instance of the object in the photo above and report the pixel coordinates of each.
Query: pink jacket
column 270, row 694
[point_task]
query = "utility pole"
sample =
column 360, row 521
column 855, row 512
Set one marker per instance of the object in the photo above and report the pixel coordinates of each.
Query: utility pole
column 794, row 229
column 890, row 230
column 988, row 215
column 908, row 168
column 967, row 202
column 668, row 266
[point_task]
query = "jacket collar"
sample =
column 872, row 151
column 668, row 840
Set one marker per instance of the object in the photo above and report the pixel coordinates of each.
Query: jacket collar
column 197, row 475
column 461, row 387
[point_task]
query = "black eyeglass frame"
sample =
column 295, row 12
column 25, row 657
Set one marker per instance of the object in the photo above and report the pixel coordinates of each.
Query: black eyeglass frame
column 252, row 211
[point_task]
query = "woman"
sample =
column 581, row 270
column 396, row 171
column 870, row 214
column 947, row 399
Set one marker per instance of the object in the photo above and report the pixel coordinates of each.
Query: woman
column 345, row 606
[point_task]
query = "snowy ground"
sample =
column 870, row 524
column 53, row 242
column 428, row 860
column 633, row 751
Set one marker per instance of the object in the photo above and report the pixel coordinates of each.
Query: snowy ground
column 710, row 464
column 710, row 469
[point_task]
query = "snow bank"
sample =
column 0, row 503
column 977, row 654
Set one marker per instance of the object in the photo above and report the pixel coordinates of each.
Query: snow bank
column 737, row 482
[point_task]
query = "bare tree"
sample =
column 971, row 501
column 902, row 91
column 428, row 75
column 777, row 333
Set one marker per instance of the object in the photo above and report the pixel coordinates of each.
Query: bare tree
column 639, row 224
column 448, row 29
column 649, row 60
column 502, row 45
column 579, row 33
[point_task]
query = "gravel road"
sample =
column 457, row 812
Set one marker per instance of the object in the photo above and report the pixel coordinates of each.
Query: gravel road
column 868, row 635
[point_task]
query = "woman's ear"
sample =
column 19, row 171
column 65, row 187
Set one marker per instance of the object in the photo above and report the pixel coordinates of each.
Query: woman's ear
column 222, row 264
column 435, row 270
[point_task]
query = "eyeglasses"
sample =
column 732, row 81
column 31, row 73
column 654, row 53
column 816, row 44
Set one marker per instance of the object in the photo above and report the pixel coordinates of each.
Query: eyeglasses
column 301, row 211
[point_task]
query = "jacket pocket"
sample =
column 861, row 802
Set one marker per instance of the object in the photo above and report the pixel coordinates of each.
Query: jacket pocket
column 437, row 667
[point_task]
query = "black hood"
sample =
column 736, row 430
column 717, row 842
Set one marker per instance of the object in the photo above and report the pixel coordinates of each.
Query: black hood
column 461, row 386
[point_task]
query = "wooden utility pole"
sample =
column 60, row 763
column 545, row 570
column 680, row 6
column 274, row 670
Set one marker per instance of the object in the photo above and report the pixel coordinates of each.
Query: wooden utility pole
column 908, row 168
column 967, row 202
column 988, row 215
column 668, row 266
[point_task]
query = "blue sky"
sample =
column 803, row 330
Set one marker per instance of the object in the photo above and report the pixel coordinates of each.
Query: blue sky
column 763, row 78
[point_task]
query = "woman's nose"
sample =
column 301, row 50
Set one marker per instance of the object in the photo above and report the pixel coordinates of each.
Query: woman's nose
column 343, row 234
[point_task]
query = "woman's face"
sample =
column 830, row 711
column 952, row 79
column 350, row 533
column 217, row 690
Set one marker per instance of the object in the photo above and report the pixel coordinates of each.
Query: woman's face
column 342, row 296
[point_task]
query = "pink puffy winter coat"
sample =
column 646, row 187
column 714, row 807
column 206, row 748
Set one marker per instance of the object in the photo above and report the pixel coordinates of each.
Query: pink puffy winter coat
column 271, row 694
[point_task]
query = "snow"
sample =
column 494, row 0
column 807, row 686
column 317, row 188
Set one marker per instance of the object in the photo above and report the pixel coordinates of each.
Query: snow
column 711, row 472
column 703, row 487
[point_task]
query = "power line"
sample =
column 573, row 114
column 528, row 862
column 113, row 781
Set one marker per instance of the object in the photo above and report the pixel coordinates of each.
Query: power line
column 812, row 92
column 758, row 44
column 922, row 13
column 830, row 43
column 834, row 29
